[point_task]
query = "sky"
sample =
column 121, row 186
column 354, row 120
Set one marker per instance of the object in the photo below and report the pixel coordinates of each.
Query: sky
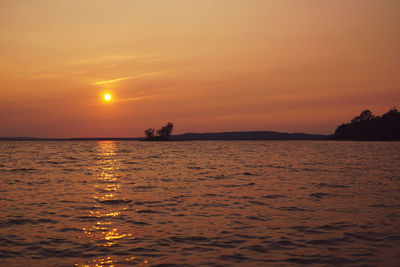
column 207, row 66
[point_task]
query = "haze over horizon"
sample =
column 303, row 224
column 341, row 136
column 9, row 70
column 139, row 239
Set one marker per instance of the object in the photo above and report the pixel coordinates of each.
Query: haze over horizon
column 207, row 66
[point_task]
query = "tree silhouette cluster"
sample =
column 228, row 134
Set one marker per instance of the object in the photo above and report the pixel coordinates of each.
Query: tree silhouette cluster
column 163, row 134
column 367, row 126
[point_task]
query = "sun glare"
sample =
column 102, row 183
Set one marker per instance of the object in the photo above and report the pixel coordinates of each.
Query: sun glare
column 107, row 97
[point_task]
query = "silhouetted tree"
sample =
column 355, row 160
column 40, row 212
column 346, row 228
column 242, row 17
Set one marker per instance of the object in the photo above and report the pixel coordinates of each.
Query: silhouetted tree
column 390, row 124
column 163, row 134
column 366, row 126
column 165, row 131
column 364, row 116
column 149, row 134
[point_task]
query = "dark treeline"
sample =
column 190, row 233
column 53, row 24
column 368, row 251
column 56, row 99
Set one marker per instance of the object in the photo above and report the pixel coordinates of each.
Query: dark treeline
column 367, row 126
column 163, row 134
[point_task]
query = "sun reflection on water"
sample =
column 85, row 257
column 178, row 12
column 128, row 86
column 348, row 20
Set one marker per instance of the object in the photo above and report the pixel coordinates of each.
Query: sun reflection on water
column 111, row 262
column 106, row 232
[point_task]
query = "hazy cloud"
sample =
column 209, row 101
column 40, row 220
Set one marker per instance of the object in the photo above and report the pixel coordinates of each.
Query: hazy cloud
column 127, row 78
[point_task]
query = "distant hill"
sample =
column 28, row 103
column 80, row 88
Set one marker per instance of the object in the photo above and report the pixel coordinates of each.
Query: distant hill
column 25, row 139
column 255, row 135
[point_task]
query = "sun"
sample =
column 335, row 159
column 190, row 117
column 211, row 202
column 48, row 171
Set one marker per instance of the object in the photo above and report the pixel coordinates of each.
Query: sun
column 107, row 97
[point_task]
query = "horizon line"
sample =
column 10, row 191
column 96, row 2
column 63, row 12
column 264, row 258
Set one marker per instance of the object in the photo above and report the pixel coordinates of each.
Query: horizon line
column 142, row 137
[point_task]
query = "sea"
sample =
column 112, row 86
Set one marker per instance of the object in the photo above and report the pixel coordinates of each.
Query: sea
column 199, row 203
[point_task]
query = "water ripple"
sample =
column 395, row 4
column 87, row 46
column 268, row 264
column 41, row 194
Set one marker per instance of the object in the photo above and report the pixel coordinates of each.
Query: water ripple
column 199, row 203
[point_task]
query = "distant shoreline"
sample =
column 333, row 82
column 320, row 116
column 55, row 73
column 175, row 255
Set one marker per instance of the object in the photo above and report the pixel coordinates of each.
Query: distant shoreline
column 219, row 136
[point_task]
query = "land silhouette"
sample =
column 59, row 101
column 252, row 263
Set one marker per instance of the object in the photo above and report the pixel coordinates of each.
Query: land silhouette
column 367, row 126
column 246, row 135
column 163, row 134
column 249, row 135
column 364, row 127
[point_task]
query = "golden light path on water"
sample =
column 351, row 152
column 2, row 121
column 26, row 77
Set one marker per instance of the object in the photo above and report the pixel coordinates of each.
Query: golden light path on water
column 105, row 232
column 200, row 203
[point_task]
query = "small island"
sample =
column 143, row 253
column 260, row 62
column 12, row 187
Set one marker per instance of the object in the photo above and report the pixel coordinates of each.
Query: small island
column 369, row 127
column 163, row 134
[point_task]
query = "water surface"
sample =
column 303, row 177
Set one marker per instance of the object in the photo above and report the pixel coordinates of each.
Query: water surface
column 207, row 203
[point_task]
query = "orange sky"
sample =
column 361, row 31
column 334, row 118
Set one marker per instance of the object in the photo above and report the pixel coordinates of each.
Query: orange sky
column 207, row 66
